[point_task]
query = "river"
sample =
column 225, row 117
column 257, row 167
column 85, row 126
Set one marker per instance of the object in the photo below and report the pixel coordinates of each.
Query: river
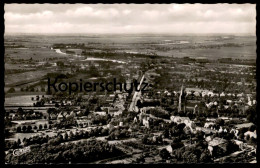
column 90, row 58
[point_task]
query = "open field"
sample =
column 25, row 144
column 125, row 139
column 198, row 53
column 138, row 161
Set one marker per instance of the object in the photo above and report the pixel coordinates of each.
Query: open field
column 165, row 45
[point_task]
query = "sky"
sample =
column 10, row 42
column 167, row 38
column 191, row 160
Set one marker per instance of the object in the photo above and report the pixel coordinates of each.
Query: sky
column 130, row 18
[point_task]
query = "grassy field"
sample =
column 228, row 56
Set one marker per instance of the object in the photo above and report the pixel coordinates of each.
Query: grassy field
column 245, row 52
column 23, row 100
column 34, row 53
column 14, row 78
column 137, row 43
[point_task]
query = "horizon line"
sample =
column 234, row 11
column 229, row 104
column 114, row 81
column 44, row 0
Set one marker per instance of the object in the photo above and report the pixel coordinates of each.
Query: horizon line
column 23, row 33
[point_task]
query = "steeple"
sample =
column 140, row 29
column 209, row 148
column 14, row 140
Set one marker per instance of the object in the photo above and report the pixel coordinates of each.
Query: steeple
column 179, row 107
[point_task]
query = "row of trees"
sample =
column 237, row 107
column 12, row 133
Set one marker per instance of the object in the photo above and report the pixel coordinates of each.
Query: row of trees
column 29, row 128
column 59, row 138
column 82, row 152
column 158, row 112
column 117, row 133
column 21, row 114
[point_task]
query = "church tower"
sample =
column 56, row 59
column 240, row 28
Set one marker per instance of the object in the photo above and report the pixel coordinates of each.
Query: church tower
column 179, row 107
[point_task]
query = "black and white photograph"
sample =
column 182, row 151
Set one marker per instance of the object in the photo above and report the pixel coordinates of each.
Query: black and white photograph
column 130, row 83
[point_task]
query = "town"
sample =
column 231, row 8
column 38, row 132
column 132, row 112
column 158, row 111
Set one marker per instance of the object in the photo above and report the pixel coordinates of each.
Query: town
column 195, row 110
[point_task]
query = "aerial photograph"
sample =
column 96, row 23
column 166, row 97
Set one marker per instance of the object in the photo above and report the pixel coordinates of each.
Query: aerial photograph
column 130, row 83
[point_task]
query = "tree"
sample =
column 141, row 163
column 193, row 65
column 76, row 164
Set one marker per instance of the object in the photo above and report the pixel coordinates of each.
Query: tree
column 181, row 126
column 205, row 157
column 220, row 122
column 251, row 114
column 164, row 154
column 166, row 133
column 140, row 159
column 117, row 134
column 176, row 145
column 252, row 140
column 66, row 136
column 215, row 115
column 32, row 89
column 60, row 63
column 60, row 138
column 18, row 129
column 175, row 139
column 42, row 89
column 20, row 111
column 24, row 128
column 40, row 127
column 145, row 139
column 104, row 132
column 57, row 105
column 50, row 111
column 86, row 112
column 200, row 135
column 232, row 147
column 252, row 128
column 247, row 137
column 139, row 104
column 29, row 128
column 241, row 136
column 11, row 90
column 19, row 141
column 71, row 135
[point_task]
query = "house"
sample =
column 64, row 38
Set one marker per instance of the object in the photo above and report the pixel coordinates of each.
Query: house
column 220, row 129
column 224, row 118
column 251, row 134
column 241, row 144
column 144, row 109
column 245, row 125
column 79, row 113
column 103, row 113
column 209, row 105
column 197, row 94
column 234, row 131
column 222, row 94
column 211, row 119
column 179, row 120
column 110, row 126
column 71, row 115
column 53, row 116
column 240, row 95
column 121, row 124
column 60, row 116
column 114, row 111
column 209, row 124
column 146, row 122
column 210, row 93
column 226, row 106
column 208, row 139
column 14, row 117
column 135, row 120
column 229, row 101
column 84, row 121
column 216, row 142
column 185, row 120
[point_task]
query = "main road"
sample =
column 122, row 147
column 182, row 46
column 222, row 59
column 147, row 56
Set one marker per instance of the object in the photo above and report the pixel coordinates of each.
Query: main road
column 136, row 96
